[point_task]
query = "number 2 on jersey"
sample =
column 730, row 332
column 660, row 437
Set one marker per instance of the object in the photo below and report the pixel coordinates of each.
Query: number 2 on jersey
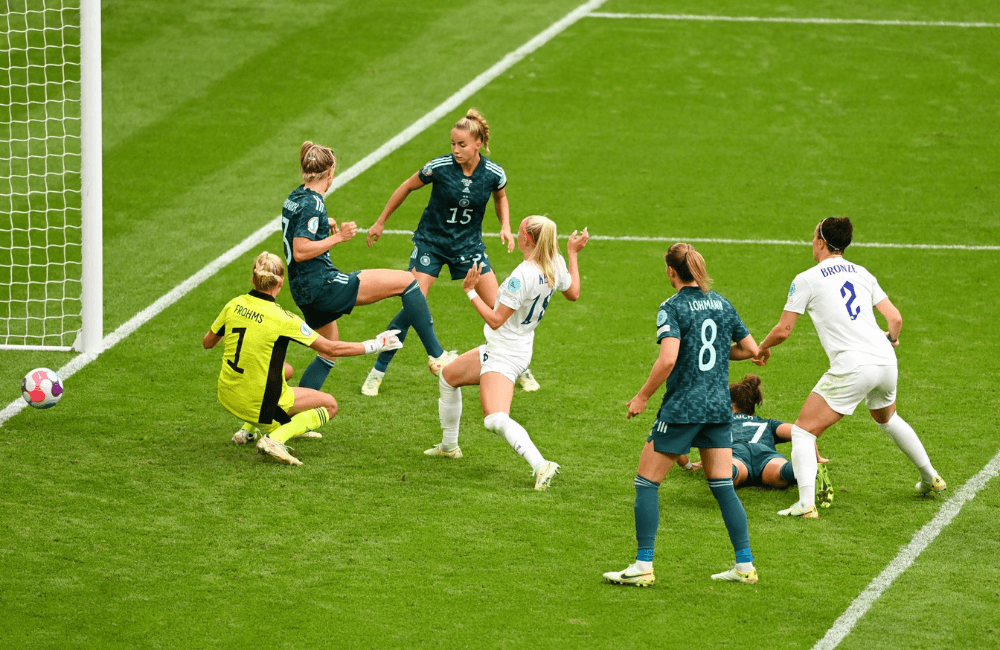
column 852, row 309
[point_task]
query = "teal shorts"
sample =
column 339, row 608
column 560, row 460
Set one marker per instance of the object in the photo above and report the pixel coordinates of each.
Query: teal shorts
column 336, row 298
column 756, row 457
column 426, row 259
column 673, row 438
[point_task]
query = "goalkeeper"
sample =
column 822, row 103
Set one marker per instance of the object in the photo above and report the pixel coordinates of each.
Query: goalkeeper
column 252, row 384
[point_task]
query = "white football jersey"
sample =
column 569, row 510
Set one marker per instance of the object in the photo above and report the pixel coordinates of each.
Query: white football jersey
column 526, row 292
column 839, row 296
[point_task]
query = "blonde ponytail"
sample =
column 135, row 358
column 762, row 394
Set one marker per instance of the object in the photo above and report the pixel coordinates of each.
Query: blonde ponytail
column 268, row 271
column 542, row 233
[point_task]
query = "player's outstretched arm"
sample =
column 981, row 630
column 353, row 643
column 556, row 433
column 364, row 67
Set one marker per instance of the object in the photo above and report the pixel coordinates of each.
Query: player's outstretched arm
column 493, row 318
column 387, row 340
column 409, row 185
column 778, row 335
column 576, row 242
column 745, row 348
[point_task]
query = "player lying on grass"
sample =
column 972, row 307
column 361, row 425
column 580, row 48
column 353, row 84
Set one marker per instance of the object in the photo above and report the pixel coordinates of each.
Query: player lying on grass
column 839, row 297
column 756, row 460
column 321, row 290
column 451, row 226
column 699, row 332
column 510, row 334
column 256, row 332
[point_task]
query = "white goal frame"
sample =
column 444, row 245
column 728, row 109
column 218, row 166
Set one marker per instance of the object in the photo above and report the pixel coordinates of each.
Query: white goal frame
column 89, row 338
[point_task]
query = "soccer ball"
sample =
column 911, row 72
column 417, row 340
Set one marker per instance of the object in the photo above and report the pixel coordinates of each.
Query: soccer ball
column 41, row 388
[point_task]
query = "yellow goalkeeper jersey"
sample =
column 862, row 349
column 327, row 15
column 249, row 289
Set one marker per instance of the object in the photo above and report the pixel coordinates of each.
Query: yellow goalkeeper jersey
column 256, row 332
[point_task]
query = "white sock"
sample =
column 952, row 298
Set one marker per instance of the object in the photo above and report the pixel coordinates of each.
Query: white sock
column 906, row 439
column 744, row 566
column 449, row 411
column 516, row 437
column 804, row 463
column 643, row 566
column 378, row 374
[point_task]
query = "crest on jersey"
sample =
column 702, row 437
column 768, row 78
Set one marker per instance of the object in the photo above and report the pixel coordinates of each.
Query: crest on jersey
column 661, row 318
column 791, row 290
column 464, row 202
column 305, row 329
column 425, row 260
column 513, row 284
column 313, row 225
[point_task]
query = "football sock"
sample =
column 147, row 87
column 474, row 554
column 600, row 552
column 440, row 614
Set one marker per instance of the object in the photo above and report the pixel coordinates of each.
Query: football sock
column 301, row 422
column 647, row 517
column 788, row 473
column 449, row 411
column 906, row 439
column 398, row 322
column 804, row 464
column 516, row 437
column 316, row 373
column 419, row 315
column 733, row 514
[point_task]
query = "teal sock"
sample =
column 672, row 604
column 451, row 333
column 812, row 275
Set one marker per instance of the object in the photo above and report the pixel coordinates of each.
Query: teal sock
column 316, row 373
column 398, row 322
column 788, row 474
column 647, row 516
column 419, row 315
column 732, row 512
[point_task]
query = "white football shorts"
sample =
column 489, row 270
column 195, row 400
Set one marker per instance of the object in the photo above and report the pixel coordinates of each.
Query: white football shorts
column 509, row 362
column 874, row 384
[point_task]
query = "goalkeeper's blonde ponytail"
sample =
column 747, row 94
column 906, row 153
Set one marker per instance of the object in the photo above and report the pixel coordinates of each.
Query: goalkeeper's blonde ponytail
column 268, row 271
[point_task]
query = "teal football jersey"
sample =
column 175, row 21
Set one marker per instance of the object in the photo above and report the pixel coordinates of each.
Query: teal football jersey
column 698, row 386
column 751, row 428
column 453, row 219
column 304, row 215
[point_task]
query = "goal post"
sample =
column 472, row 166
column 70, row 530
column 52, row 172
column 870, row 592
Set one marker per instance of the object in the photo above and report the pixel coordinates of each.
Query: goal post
column 50, row 175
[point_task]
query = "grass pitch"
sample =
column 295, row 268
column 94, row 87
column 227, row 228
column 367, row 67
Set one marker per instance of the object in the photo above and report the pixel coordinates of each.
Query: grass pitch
column 130, row 520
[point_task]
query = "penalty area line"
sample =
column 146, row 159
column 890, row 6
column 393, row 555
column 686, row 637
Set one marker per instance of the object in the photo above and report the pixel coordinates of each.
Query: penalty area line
column 404, row 136
column 760, row 242
column 797, row 21
column 907, row 556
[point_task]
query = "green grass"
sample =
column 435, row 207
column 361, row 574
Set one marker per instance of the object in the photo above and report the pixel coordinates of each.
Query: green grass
column 128, row 519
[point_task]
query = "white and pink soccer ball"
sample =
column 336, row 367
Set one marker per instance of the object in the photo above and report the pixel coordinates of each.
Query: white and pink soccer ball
column 41, row 388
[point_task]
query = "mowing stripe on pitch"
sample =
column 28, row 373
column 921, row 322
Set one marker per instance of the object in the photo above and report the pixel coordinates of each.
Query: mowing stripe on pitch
column 798, row 21
column 353, row 171
column 907, row 555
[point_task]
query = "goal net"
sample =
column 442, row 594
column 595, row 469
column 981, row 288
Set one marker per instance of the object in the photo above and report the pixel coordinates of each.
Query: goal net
column 42, row 191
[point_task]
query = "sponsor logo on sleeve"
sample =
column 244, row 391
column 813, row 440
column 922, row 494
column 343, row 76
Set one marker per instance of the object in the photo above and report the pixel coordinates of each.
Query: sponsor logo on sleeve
column 426, row 171
column 791, row 290
column 513, row 284
column 305, row 329
column 661, row 318
column 313, row 225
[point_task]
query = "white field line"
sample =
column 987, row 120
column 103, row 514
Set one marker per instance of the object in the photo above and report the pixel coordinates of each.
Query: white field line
column 800, row 21
column 767, row 242
column 353, row 171
column 907, row 555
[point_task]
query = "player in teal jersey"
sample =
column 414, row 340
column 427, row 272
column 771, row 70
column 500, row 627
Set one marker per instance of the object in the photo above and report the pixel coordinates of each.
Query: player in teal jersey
column 451, row 226
column 756, row 460
column 695, row 329
column 321, row 290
